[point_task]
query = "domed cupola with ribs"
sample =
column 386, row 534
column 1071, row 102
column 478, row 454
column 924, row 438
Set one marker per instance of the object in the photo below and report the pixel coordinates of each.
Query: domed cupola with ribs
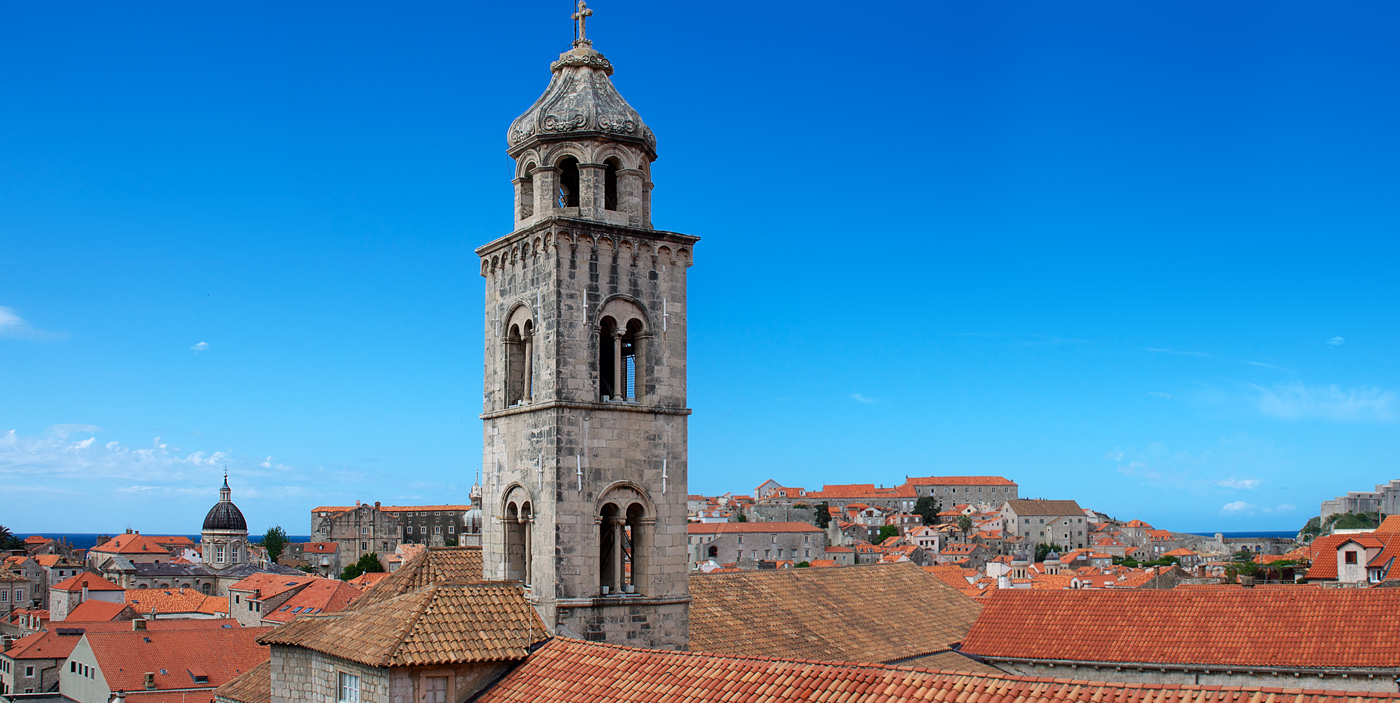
column 224, row 539
column 581, row 151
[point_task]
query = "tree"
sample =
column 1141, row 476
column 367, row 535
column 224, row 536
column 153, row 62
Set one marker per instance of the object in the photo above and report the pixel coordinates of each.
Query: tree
column 368, row 564
column 743, row 517
column 886, row 532
column 1042, row 549
column 449, row 542
column 274, row 542
column 823, row 515
column 927, row 508
column 8, row 540
column 965, row 525
column 802, row 564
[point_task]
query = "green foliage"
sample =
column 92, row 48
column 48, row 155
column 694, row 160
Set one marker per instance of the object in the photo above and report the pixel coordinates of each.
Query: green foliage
column 1164, row 561
column 965, row 525
column 823, row 515
column 449, row 542
column 1314, row 527
column 802, row 564
column 368, row 564
column 927, row 508
column 1042, row 549
column 8, row 540
column 800, row 505
column 306, row 568
column 743, row 517
column 885, row 533
column 1129, row 562
column 1352, row 521
column 275, row 541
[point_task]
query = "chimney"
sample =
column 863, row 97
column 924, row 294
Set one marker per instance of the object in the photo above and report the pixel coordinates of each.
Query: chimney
column 119, row 697
column 376, row 505
column 128, row 530
column 85, row 591
column 357, row 503
column 150, row 680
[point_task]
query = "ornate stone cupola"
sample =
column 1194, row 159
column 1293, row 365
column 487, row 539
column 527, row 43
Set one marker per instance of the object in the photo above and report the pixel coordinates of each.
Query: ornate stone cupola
column 224, row 537
column 581, row 150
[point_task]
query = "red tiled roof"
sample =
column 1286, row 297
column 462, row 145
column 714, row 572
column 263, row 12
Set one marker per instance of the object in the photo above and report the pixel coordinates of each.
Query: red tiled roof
column 97, row 611
column 960, row 481
column 318, row 548
column 1238, row 627
column 171, row 600
column 716, row 528
column 862, row 490
column 58, row 640
column 89, row 579
column 270, row 585
column 218, row 653
column 840, row 550
column 37, row 539
column 320, row 596
column 572, row 671
column 1323, row 552
column 389, row 508
column 133, row 544
column 369, row 578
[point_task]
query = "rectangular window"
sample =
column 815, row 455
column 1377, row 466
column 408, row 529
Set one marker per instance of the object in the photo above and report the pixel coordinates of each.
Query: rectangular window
column 4, row 596
column 1351, row 557
column 28, row 671
column 364, row 546
column 233, row 555
column 437, row 512
column 410, row 529
column 349, row 688
column 219, row 554
column 451, row 529
column 437, row 529
column 364, row 530
column 384, row 546
column 435, row 689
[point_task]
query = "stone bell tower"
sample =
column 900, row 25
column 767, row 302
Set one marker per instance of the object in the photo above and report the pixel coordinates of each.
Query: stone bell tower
column 584, row 410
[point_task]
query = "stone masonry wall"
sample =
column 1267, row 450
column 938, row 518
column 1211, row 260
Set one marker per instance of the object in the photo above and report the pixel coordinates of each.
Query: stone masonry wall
column 303, row 675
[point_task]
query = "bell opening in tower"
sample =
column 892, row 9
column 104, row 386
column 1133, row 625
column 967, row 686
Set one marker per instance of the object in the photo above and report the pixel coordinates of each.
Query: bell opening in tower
column 610, row 184
column 568, row 182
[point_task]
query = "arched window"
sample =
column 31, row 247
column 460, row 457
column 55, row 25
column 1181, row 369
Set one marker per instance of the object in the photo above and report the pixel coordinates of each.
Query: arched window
column 714, row 552
column 624, row 543
column 520, row 338
column 610, row 183
column 619, row 347
column 568, row 183
column 527, row 192
column 517, row 541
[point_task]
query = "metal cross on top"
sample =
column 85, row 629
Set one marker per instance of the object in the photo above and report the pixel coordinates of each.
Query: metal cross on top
column 580, row 22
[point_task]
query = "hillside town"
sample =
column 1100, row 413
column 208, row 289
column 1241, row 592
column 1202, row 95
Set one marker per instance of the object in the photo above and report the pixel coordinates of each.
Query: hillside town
column 579, row 567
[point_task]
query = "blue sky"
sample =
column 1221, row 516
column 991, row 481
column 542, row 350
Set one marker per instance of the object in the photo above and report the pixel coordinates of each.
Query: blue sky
column 1136, row 254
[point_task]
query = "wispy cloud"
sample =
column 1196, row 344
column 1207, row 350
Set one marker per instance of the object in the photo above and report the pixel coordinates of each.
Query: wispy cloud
column 1297, row 401
column 1157, row 350
column 15, row 327
column 861, row 399
column 1269, row 366
column 1232, row 482
column 1234, row 507
column 197, row 348
column 1336, row 341
column 1240, row 507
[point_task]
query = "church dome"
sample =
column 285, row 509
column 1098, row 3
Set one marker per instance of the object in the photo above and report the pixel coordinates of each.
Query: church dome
column 225, row 515
column 580, row 103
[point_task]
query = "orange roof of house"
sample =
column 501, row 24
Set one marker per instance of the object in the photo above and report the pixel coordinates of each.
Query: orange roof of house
column 318, row 548
column 270, row 585
column 1237, row 627
column 1138, row 523
column 572, row 671
column 1390, row 525
column 1323, row 552
column 369, row 578
column 960, row 481
column 97, row 611
column 320, row 596
column 1180, row 552
column 58, row 641
column 862, row 490
column 172, row 600
column 216, row 653
column 132, row 544
column 822, row 563
column 839, row 550
column 86, row 578
column 716, row 528
column 36, row 539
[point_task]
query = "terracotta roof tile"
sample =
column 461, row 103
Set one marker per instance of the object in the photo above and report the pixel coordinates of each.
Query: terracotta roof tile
column 93, row 582
column 134, row 544
column 170, row 600
column 218, row 653
column 101, row 611
column 427, row 567
column 572, row 671
column 1327, row 627
column 864, row 613
column 58, row 640
column 959, row 481
column 724, row 528
column 252, row 686
column 319, row 596
column 441, row 624
column 1049, row 508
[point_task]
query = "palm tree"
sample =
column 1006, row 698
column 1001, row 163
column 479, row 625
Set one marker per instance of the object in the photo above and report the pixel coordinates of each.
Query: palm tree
column 8, row 539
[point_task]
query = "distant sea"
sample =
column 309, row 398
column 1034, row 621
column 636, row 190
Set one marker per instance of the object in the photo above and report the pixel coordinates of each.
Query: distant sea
column 1288, row 534
column 87, row 540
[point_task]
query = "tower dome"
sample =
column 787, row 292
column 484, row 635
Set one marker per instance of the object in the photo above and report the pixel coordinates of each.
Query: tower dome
column 580, row 103
column 225, row 515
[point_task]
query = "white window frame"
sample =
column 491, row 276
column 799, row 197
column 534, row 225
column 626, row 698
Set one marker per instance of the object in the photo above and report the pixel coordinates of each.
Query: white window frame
column 348, row 688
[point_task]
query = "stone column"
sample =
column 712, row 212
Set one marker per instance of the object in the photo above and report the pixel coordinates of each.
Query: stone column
column 619, row 373
column 629, row 194
column 591, row 178
column 619, row 538
column 546, row 190
column 528, row 391
column 524, row 198
column 528, row 522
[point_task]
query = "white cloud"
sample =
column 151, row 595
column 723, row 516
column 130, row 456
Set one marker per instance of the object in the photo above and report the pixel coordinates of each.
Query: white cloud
column 64, row 431
column 861, row 399
column 1235, row 507
column 199, row 347
column 1296, row 401
column 1174, row 351
column 267, row 463
column 16, row 327
column 1337, row 341
column 1232, row 482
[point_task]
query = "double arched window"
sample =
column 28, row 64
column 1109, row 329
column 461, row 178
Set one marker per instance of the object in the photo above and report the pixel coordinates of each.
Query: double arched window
column 621, row 343
column 520, row 354
column 625, row 523
column 519, row 518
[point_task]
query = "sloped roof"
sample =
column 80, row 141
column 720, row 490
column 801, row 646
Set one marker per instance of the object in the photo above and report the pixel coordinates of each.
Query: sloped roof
column 959, row 481
column 1323, row 552
column 251, row 686
column 171, row 600
column 89, row 579
column 319, row 596
column 432, row 565
column 573, row 671
column 441, row 624
column 59, row 639
column 862, row 490
column 369, row 578
column 1325, row 627
column 219, row 653
column 883, row 612
column 100, row 611
column 1046, row 508
column 132, row 544
column 724, row 528
column 272, row 585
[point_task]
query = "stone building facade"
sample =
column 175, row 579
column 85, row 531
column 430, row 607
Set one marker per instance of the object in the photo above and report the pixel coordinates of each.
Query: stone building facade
column 1385, row 499
column 1060, row 522
column 584, row 406
column 747, row 543
column 363, row 529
